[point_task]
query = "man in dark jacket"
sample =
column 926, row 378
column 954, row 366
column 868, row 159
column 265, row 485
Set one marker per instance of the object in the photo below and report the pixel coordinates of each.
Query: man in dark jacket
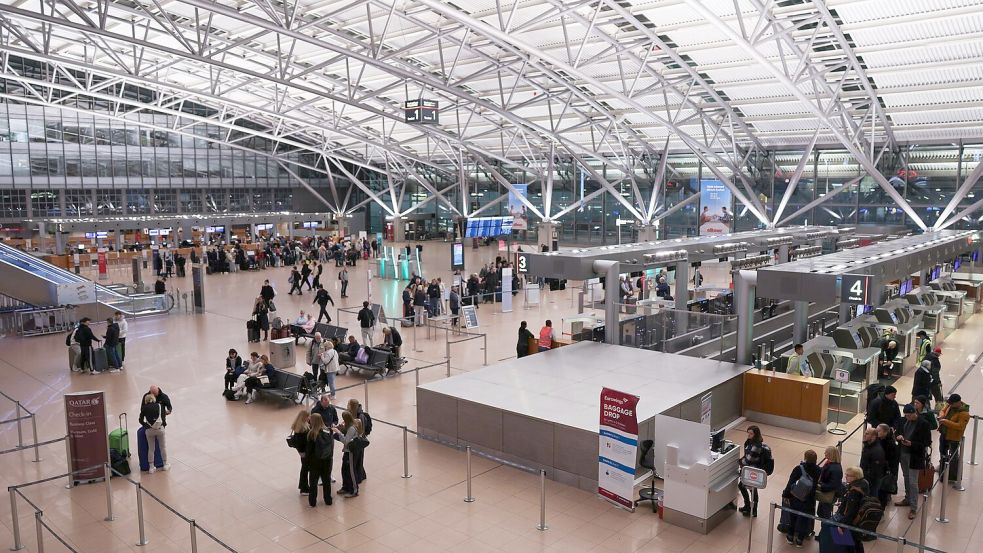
column 914, row 438
column 327, row 411
column 419, row 305
column 112, row 341
column 933, row 357
column 889, row 444
column 267, row 293
column 392, row 339
column 884, row 409
column 85, row 337
column 873, row 461
column 322, row 297
column 305, row 275
column 366, row 320
column 922, row 386
column 164, row 400
column 295, row 282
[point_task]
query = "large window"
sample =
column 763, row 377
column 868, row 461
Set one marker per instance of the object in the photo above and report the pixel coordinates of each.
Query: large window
column 13, row 204
column 109, row 202
column 44, row 203
column 78, row 203
column 165, row 201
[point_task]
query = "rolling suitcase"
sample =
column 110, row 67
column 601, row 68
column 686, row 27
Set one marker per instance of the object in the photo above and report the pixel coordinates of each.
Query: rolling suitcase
column 143, row 451
column 119, row 439
column 100, row 361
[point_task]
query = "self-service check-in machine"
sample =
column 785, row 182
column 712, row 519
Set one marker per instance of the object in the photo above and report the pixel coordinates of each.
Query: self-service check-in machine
column 956, row 313
column 852, row 349
column 926, row 304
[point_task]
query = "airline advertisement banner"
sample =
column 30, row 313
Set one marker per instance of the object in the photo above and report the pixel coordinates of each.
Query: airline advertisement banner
column 517, row 209
column 618, row 444
column 715, row 203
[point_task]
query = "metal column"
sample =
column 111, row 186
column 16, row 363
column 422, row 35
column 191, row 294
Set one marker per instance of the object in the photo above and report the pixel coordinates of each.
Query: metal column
column 682, row 285
column 547, row 236
column 800, row 322
column 783, row 253
column 745, row 284
column 610, row 270
column 844, row 313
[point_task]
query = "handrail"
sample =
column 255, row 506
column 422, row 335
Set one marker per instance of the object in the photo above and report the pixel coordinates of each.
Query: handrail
column 839, row 443
column 20, row 432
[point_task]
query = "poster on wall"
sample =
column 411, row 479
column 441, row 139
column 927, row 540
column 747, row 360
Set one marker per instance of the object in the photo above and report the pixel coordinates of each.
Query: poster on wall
column 715, row 214
column 517, row 209
column 618, row 445
column 88, row 442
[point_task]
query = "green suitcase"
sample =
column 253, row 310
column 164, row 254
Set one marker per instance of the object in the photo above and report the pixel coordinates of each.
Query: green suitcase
column 119, row 439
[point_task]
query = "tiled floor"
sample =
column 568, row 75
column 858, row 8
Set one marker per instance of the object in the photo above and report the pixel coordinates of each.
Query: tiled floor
column 234, row 475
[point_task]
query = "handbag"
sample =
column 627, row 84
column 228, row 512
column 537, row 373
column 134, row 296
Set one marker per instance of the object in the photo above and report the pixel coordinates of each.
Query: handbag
column 159, row 423
column 827, row 498
column 926, row 477
column 889, row 484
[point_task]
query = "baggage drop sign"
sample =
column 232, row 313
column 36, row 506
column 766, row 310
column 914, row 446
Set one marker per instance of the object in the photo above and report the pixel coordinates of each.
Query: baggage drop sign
column 618, row 444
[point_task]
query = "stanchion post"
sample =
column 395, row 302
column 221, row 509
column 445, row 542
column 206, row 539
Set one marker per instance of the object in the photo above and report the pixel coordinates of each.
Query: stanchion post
column 406, row 453
column 485, row 339
column 140, row 522
column 771, row 524
column 448, row 367
column 945, row 488
column 467, row 453
column 542, row 501
column 194, row 536
column 40, row 529
column 365, row 387
column 972, row 454
column 20, row 433
column 68, row 462
column 923, row 528
column 15, row 519
column 109, row 493
column 34, row 431
column 958, row 485
column 901, row 543
column 416, row 375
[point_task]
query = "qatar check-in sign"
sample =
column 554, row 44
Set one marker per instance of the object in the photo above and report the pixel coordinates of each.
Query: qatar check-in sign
column 618, row 444
column 88, row 442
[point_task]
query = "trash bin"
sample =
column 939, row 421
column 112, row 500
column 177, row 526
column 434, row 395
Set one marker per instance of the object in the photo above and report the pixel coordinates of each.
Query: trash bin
column 282, row 353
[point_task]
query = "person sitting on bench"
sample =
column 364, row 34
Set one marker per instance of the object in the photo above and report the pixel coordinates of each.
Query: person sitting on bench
column 347, row 351
column 254, row 377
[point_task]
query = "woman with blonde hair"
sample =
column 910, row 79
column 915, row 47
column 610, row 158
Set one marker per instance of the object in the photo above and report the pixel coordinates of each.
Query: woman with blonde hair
column 355, row 408
column 348, row 434
column 319, row 454
column 298, row 440
column 830, row 483
column 152, row 417
column 328, row 361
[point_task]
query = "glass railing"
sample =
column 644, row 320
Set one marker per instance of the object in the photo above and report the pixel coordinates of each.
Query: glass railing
column 678, row 331
column 136, row 304
column 35, row 266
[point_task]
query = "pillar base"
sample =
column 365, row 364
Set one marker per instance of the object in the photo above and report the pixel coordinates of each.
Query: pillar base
column 399, row 230
column 648, row 233
column 548, row 236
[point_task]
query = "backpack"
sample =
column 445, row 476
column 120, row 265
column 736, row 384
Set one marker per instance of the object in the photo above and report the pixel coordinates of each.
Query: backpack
column 323, row 446
column 873, row 391
column 366, row 422
column 803, row 487
column 767, row 460
column 869, row 514
column 362, row 357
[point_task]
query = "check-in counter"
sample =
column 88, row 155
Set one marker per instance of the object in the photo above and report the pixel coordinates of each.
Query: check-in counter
column 972, row 284
column 533, row 344
column 788, row 401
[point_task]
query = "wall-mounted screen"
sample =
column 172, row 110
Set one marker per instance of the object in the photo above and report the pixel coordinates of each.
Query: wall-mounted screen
column 486, row 227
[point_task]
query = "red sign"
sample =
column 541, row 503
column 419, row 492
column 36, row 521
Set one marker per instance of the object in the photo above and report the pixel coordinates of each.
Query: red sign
column 88, row 442
column 103, row 269
column 618, row 411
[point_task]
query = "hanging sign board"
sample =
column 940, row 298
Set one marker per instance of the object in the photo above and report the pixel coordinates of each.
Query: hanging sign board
column 855, row 289
column 618, row 445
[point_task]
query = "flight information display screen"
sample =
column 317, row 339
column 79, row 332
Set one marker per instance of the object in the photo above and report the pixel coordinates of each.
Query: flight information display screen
column 484, row 227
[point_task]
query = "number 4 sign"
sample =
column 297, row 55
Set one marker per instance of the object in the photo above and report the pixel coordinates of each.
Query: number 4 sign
column 855, row 289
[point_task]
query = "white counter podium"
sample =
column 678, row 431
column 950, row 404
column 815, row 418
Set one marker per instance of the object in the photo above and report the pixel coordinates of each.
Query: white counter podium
column 699, row 485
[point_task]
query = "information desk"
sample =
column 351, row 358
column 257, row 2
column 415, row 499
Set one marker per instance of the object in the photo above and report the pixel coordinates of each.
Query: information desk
column 785, row 400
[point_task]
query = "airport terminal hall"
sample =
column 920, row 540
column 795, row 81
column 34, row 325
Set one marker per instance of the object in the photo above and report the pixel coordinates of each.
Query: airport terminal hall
column 560, row 276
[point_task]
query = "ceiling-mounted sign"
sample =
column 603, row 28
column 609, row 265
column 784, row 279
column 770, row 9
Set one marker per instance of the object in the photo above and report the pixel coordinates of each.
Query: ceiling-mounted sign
column 855, row 289
column 421, row 111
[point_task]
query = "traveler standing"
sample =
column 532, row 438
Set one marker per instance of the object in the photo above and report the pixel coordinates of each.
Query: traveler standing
column 800, row 493
column 316, row 281
column 419, row 304
column 933, row 357
column 322, row 298
column 328, row 358
column 298, row 441
column 358, row 456
column 454, row 303
column 326, row 410
column 522, row 346
column 261, row 310
column 112, row 343
column 433, row 298
column 922, row 386
column 124, row 326
column 348, row 434
column 857, row 488
column 797, row 363
column 153, row 419
column 914, row 438
column 267, row 292
column 305, row 275
column 319, row 452
column 884, row 409
column 85, row 337
column 366, row 320
column 392, row 340
column 546, row 337
column 873, row 461
column 952, row 424
column 830, row 482
column 758, row 455
column 313, row 354
column 343, row 277
column 888, row 485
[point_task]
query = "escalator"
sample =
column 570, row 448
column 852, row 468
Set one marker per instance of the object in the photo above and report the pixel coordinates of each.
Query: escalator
column 39, row 283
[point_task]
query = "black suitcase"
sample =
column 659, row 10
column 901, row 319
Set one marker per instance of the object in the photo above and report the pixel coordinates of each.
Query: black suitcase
column 119, row 462
column 100, row 361
column 229, row 395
